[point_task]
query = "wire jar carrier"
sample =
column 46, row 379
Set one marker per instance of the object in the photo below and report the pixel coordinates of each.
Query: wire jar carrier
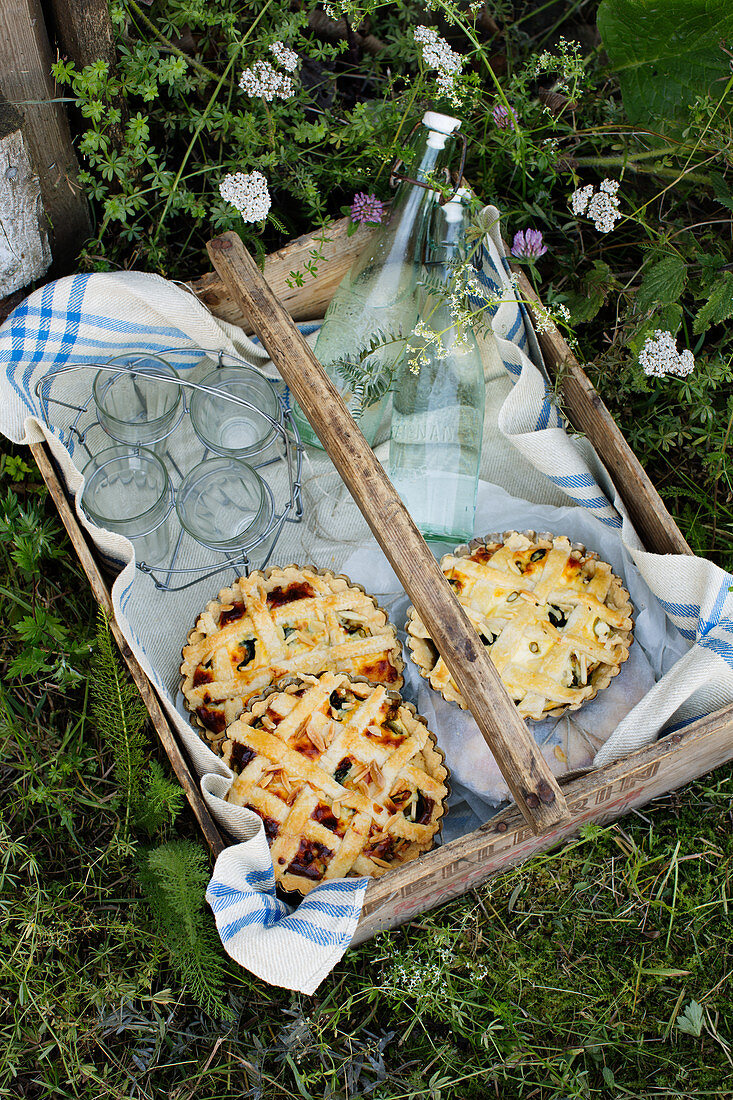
column 213, row 465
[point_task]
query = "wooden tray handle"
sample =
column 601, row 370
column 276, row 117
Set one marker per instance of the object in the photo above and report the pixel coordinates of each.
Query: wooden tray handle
column 522, row 765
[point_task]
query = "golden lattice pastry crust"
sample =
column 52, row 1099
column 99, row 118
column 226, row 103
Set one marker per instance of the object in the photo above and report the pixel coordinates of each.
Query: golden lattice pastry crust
column 556, row 620
column 294, row 619
column 346, row 777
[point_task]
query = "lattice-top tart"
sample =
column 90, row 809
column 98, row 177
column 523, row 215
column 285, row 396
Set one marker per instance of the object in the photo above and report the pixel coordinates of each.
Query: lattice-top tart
column 556, row 620
column 345, row 776
column 285, row 621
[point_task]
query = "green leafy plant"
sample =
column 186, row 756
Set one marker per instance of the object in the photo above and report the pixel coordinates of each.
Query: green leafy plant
column 666, row 55
column 369, row 381
column 691, row 1020
column 149, row 798
column 173, row 878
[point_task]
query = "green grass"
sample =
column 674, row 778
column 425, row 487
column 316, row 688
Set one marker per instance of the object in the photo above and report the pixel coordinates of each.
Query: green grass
column 574, row 975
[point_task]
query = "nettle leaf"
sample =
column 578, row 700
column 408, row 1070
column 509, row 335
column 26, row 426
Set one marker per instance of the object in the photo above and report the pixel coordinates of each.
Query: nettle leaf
column 722, row 190
column 719, row 306
column 666, row 54
column 596, row 286
column 690, row 1021
column 712, row 265
column 663, row 283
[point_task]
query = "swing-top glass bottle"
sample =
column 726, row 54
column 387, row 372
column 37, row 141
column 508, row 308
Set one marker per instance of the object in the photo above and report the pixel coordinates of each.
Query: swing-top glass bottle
column 378, row 298
column 439, row 392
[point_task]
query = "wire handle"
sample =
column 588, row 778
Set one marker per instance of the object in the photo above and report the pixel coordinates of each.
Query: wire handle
column 395, row 176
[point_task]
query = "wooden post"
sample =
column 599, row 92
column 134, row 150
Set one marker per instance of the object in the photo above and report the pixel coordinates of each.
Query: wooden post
column 530, row 780
column 25, row 81
column 84, row 32
column 24, row 250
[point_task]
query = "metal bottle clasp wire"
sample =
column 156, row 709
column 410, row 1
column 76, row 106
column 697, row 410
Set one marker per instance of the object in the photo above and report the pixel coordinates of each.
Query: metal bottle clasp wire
column 396, row 176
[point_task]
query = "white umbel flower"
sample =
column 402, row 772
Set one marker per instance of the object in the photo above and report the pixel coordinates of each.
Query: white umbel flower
column 248, row 192
column 659, row 356
column 285, row 57
column 579, row 199
column 601, row 206
column 262, row 79
column 437, row 54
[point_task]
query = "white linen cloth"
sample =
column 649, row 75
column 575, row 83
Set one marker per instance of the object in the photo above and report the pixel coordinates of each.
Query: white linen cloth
column 85, row 319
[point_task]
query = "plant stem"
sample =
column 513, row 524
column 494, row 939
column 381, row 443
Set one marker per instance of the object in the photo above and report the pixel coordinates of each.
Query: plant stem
column 194, row 62
column 415, row 88
column 632, row 157
column 189, row 149
column 270, row 124
column 625, row 162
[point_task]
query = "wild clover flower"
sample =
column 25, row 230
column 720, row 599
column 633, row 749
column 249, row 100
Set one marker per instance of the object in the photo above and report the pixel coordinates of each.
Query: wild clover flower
column 249, row 193
column 528, row 245
column 367, row 208
column 285, row 57
column 601, row 206
column 505, row 120
column 659, row 356
column 261, row 79
column 437, row 54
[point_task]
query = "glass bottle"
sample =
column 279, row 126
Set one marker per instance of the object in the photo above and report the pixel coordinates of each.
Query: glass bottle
column 379, row 295
column 439, row 396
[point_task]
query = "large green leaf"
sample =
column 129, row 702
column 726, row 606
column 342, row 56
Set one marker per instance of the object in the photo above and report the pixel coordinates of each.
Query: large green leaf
column 666, row 53
column 663, row 283
column 718, row 307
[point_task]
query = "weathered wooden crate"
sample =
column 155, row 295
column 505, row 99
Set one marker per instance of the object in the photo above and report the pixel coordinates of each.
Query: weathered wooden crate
column 601, row 794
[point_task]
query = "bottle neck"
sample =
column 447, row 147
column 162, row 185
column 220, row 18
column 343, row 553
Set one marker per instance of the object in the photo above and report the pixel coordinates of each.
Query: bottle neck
column 446, row 239
column 411, row 204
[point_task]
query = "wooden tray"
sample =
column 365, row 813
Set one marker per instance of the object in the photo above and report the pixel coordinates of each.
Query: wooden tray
column 601, row 794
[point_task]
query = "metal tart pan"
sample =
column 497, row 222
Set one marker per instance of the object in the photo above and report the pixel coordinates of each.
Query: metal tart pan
column 600, row 677
column 258, row 704
column 227, row 595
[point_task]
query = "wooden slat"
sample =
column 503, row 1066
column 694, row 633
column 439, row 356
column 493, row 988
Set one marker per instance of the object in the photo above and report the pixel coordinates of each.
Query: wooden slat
column 103, row 598
column 602, row 795
column 653, row 523
column 529, row 778
column 330, row 250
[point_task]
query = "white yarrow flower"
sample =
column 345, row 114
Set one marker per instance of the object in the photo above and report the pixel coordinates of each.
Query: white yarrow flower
column 437, row 54
column 659, row 356
column 579, row 199
column 284, row 56
column 249, row 193
column 261, row 79
column 601, row 206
